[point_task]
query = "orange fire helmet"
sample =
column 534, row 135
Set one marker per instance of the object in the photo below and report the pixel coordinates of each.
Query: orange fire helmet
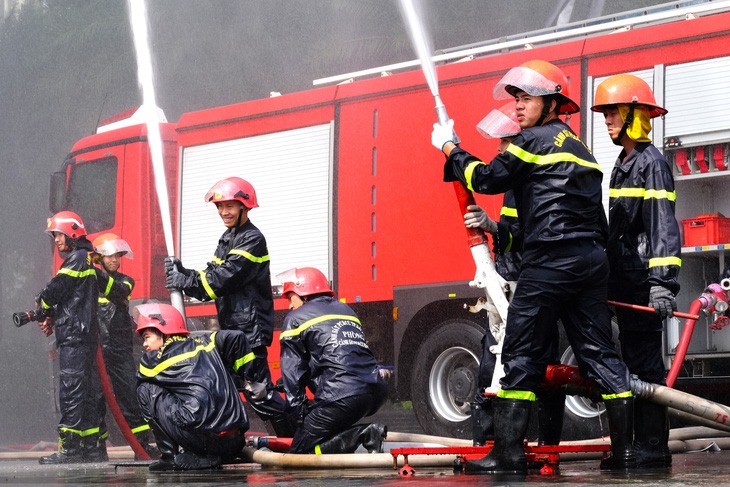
column 500, row 123
column 108, row 244
column 626, row 89
column 537, row 78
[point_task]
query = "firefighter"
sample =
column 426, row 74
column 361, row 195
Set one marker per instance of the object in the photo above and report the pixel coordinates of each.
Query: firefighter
column 239, row 281
column 643, row 248
column 564, row 271
column 73, row 294
column 503, row 124
column 187, row 392
column 323, row 346
column 116, row 335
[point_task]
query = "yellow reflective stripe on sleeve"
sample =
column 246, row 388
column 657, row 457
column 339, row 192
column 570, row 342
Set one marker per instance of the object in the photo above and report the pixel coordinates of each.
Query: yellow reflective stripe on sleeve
column 317, row 450
column 553, row 158
column 218, row 260
column 109, row 286
column 103, row 300
column 73, row 273
column 206, row 285
column 620, row 395
column 104, row 435
column 658, row 194
column 81, row 433
column 509, row 244
column 250, row 256
column 249, row 357
column 176, row 359
column 468, row 172
column 519, row 395
column 45, row 306
column 314, row 321
column 507, row 211
column 665, row 261
column 140, row 429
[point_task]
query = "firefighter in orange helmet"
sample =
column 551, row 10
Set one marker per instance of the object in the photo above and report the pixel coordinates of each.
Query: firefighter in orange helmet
column 116, row 334
column 564, row 270
column 643, row 247
column 323, row 346
column 72, row 295
column 239, row 281
column 186, row 389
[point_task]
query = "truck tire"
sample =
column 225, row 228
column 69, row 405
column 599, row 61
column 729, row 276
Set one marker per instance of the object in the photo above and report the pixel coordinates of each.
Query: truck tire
column 444, row 378
column 583, row 418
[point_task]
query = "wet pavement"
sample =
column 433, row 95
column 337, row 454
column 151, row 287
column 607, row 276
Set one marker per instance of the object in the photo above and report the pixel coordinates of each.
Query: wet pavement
column 705, row 468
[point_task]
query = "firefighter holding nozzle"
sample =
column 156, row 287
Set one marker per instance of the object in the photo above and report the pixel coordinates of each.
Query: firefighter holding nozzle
column 72, row 295
column 238, row 279
column 187, row 392
column 323, row 347
column 644, row 248
column 564, row 272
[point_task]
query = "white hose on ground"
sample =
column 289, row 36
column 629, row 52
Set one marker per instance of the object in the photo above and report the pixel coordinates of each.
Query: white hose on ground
column 395, row 436
column 349, row 460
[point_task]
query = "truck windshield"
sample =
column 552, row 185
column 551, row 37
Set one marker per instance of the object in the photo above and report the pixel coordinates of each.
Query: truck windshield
column 92, row 193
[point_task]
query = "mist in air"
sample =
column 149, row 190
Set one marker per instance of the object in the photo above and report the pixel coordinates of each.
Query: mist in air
column 68, row 64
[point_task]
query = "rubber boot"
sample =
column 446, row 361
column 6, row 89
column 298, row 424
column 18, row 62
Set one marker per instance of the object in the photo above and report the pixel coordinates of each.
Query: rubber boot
column 345, row 442
column 651, row 435
column 94, row 449
column 168, row 449
column 69, row 451
column 621, row 428
column 482, row 421
column 195, row 461
column 511, row 418
column 373, row 436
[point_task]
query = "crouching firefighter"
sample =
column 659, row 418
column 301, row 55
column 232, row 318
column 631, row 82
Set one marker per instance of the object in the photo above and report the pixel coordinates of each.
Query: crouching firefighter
column 323, row 347
column 186, row 389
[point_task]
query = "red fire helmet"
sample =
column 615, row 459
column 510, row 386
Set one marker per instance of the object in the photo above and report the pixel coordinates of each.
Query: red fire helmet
column 233, row 189
column 68, row 223
column 164, row 318
column 304, row 281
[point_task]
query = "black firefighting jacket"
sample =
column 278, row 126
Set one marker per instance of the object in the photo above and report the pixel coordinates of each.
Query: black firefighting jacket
column 555, row 178
column 73, row 292
column 239, row 280
column 197, row 372
column 323, row 346
column 113, row 309
column 644, row 244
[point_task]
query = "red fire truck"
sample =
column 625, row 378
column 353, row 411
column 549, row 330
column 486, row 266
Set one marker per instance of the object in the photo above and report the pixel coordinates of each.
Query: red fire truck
column 348, row 182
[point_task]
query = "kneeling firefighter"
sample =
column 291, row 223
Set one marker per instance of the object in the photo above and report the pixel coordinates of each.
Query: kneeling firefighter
column 323, row 347
column 187, row 392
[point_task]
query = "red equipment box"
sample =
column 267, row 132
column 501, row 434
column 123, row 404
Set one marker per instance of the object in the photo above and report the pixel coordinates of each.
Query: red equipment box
column 706, row 229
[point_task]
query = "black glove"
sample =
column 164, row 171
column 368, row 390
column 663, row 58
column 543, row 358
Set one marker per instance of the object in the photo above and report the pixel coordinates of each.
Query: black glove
column 662, row 300
column 175, row 263
column 175, row 280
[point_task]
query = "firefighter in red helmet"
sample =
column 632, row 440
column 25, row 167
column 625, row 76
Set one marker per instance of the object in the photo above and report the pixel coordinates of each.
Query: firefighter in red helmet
column 643, row 248
column 564, row 270
column 187, row 392
column 116, row 334
column 71, row 297
column 238, row 279
column 323, row 346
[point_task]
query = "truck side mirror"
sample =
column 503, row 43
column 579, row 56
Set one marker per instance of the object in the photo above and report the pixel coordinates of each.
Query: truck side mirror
column 57, row 193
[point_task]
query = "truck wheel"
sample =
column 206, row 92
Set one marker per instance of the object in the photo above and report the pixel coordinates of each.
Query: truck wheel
column 444, row 378
column 583, row 419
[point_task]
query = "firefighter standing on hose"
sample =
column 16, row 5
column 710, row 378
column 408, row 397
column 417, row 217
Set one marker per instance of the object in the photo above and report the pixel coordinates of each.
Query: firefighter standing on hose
column 239, row 281
column 72, row 295
column 557, row 185
column 323, row 347
column 502, row 124
column 116, row 335
column 187, row 392
column 643, row 248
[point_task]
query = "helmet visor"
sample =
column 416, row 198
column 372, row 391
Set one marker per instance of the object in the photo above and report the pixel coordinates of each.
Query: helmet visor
column 497, row 125
column 527, row 80
column 116, row 246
